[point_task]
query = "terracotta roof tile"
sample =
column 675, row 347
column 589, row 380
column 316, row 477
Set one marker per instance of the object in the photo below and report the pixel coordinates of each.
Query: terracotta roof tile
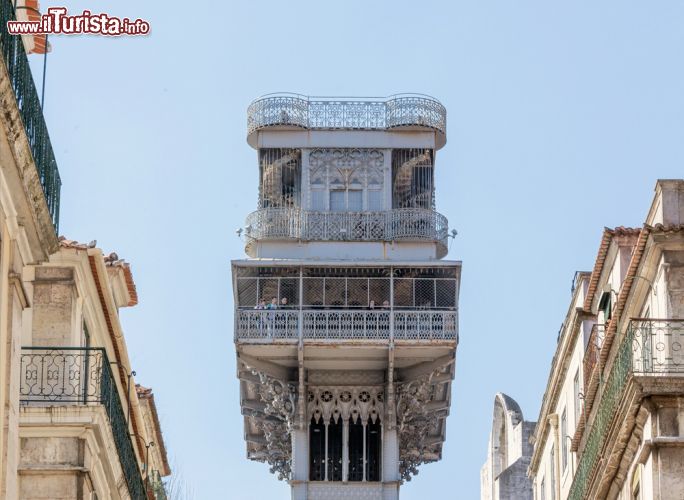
column 111, row 260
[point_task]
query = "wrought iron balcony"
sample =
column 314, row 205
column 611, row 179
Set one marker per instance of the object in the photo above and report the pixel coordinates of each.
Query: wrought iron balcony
column 591, row 355
column 402, row 111
column 407, row 224
column 283, row 325
column 658, row 346
column 30, row 110
column 80, row 376
column 651, row 347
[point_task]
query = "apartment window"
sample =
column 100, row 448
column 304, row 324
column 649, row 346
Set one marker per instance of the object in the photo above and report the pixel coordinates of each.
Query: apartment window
column 552, row 474
column 576, row 397
column 605, row 306
column 564, row 441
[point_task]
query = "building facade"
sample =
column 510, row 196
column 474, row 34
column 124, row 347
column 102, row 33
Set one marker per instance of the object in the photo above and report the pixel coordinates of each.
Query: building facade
column 611, row 424
column 504, row 474
column 346, row 316
column 72, row 425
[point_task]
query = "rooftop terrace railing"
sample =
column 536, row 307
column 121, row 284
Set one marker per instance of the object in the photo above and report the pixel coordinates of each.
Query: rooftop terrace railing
column 650, row 347
column 30, row 110
column 347, row 113
column 62, row 376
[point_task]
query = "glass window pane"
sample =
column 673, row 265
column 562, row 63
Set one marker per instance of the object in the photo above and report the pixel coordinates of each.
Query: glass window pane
column 373, row 440
column 318, row 200
column 337, row 201
column 335, row 450
column 375, row 201
column 316, row 450
column 355, row 450
column 355, row 200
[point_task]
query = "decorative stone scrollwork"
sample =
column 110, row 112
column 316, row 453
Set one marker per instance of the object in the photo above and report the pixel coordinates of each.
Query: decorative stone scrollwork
column 280, row 399
column 349, row 403
column 414, row 424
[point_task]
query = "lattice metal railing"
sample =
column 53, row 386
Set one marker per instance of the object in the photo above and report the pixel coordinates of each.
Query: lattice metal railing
column 30, row 110
column 346, row 325
column 650, row 346
column 592, row 353
column 346, row 113
column 432, row 325
column 267, row 324
column 259, row 325
column 78, row 376
column 390, row 225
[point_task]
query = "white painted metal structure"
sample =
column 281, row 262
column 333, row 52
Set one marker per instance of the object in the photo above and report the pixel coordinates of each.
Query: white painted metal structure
column 346, row 318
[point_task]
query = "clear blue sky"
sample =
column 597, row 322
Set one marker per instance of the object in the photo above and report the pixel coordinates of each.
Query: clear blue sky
column 561, row 116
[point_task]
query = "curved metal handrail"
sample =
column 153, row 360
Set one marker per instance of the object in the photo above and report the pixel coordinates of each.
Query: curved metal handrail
column 287, row 110
column 407, row 224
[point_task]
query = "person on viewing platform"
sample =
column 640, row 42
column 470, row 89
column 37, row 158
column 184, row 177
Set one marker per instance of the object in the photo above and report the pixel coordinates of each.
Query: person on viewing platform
column 283, row 302
column 261, row 304
column 273, row 304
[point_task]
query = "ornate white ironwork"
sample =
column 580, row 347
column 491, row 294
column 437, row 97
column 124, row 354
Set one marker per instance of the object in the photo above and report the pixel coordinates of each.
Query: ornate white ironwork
column 425, row 325
column 345, row 324
column 344, row 491
column 390, row 225
column 408, row 110
column 414, row 423
column 280, row 400
column 267, row 324
column 346, row 402
column 361, row 170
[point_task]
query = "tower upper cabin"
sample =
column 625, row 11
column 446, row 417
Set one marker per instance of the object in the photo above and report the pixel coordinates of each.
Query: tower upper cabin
column 353, row 170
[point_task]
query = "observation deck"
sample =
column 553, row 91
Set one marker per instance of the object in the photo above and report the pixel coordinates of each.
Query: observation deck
column 409, row 112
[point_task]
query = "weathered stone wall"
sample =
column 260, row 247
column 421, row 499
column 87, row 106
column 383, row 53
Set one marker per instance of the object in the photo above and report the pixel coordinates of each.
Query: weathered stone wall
column 513, row 483
column 52, row 468
column 54, row 298
column 504, row 474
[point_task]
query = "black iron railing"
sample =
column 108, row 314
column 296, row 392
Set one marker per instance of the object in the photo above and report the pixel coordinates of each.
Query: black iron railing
column 30, row 111
column 75, row 375
column 658, row 345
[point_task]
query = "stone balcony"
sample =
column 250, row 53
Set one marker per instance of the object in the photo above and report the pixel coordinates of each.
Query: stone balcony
column 79, row 377
column 398, row 112
column 404, row 224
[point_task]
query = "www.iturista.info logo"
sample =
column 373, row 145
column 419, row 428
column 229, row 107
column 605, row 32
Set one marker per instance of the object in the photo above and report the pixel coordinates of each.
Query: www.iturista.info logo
column 57, row 21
